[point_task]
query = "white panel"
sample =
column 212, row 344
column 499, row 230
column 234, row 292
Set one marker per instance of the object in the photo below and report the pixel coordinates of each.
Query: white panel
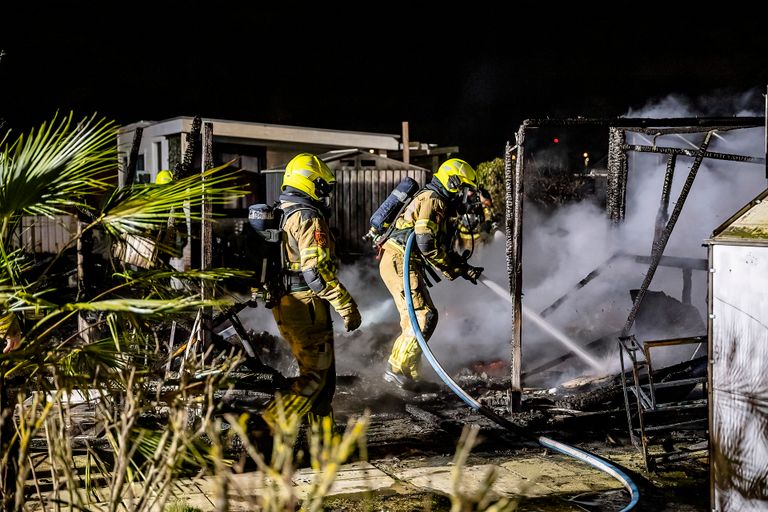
column 739, row 377
column 42, row 234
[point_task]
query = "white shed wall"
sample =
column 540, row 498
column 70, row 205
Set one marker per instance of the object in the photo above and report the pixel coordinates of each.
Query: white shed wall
column 739, row 377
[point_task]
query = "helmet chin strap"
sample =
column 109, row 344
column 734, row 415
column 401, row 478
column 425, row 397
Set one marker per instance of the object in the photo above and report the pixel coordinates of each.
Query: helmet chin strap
column 325, row 206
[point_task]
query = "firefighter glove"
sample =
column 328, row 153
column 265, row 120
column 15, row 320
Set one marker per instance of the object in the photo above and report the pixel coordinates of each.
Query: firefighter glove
column 472, row 274
column 351, row 316
column 455, row 266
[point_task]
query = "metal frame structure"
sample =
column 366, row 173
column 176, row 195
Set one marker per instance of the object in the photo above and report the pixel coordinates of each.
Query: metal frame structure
column 646, row 403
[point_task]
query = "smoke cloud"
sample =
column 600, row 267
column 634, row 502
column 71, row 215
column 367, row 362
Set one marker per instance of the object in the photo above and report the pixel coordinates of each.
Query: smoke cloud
column 562, row 247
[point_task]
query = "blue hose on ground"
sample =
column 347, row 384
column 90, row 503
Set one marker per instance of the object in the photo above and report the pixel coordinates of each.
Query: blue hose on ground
column 571, row 451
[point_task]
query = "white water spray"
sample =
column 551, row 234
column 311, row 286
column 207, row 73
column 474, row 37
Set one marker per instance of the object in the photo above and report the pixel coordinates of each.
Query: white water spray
column 546, row 326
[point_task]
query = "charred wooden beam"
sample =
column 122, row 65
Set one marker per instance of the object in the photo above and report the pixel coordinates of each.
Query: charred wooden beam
column 687, row 285
column 581, row 284
column 704, row 123
column 425, row 416
column 617, row 175
column 692, row 153
column 185, row 168
column 133, row 157
column 207, row 209
column 695, row 424
column 681, row 455
column 206, row 231
column 513, row 178
column 658, row 131
column 666, row 261
column 662, row 216
column 661, row 243
column 674, row 261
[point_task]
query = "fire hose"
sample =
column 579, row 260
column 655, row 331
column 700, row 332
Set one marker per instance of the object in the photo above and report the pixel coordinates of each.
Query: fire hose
column 581, row 455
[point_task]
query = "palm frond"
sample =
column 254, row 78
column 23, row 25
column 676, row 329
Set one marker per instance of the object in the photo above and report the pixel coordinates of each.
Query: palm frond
column 213, row 274
column 12, row 265
column 85, row 360
column 33, row 301
column 142, row 207
column 56, row 166
column 145, row 306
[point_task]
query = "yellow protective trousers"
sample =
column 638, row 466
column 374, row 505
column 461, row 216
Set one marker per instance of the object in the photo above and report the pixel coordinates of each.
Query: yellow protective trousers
column 304, row 321
column 405, row 357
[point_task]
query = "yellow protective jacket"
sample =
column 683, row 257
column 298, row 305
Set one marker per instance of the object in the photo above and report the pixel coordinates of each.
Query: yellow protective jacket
column 310, row 253
column 427, row 214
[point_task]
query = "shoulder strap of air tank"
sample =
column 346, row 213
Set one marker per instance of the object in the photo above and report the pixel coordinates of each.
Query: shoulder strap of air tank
column 307, row 210
column 391, row 229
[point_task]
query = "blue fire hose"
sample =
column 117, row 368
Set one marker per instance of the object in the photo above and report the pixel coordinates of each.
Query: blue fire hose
column 583, row 456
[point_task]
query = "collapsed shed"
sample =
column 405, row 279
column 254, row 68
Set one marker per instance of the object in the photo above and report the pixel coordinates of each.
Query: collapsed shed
column 631, row 252
column 630, row 142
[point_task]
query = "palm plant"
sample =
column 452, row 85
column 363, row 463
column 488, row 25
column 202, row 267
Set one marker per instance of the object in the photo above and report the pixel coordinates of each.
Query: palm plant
column 67, row 167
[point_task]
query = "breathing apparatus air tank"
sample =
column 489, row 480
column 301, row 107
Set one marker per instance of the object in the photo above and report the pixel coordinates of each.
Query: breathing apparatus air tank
column 385, row 215
column 265, row 252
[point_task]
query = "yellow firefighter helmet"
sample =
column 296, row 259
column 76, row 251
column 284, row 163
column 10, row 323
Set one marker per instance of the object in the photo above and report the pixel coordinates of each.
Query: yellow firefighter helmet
column 163, row 177
column 306, row 172
column 455, row 173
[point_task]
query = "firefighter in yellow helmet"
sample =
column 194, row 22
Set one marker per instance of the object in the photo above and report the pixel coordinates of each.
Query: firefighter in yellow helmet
column 163, row 177
column 429, row 215
column 303, row 314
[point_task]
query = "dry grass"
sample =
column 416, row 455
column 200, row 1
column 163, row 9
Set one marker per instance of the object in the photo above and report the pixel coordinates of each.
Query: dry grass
column 140, row 476
column 138, row 470
column 483, row 498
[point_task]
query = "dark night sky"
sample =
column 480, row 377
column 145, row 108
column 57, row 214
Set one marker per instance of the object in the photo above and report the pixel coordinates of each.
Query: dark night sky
column 460, row 78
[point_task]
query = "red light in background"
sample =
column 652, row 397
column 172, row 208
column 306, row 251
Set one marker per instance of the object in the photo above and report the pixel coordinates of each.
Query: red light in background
column 556, row 140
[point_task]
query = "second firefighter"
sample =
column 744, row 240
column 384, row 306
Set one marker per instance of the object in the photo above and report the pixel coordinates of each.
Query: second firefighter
column 429, row 215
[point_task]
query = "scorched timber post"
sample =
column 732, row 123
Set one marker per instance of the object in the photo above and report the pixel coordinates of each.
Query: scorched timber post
column 617, row 174
column 206, row 232
column 513, row 178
